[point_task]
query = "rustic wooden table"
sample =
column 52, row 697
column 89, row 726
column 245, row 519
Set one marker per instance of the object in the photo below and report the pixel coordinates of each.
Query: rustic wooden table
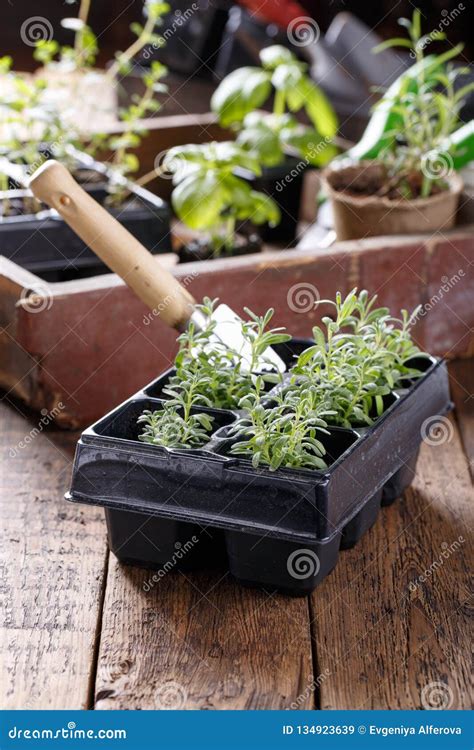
column 78, row 630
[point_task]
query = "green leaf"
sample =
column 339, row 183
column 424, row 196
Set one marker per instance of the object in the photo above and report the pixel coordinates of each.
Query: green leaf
column 389, row 43
column 287, row 77
column 239, row 93
column 319, row 109
column 199, row 200
column 45, row 51
column 275, row 55
column 157, row 9
column 261, row 209
column 261, row 140
column 309, row 144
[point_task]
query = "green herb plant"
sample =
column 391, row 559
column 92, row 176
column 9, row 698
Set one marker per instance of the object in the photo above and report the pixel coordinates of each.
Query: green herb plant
column 358, row 360
column 30, row 122
column 283, row 435
column 81, row 56
column 145, row 35
column 175, row 426
column 210, row 198
column 209, row 374
column 425, row 116
column 33, row 122
column 124, row 161
column 223, row 377
column 270, row 135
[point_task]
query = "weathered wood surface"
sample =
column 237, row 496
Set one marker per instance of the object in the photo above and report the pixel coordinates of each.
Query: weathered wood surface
column 199, row 641
column 385, row 634
column 53, row 557
column 387, row 629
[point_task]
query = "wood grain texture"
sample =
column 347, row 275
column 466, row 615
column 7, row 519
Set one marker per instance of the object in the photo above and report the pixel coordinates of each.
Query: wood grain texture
column 52, row 562
column 83, row 347
column 199, row 641
column 392, row 619
column 390, row 622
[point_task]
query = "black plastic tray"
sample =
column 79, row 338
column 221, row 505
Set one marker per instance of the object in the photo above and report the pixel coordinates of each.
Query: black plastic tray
column 44, row 244
column 280, row 530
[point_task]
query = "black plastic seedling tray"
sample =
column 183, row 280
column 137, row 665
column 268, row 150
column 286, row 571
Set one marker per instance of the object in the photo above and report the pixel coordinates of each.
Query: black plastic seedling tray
column 172, row 509
column 45, row 245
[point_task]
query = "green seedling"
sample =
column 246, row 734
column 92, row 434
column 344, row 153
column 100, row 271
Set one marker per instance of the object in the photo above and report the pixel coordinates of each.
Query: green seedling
column 418, row 152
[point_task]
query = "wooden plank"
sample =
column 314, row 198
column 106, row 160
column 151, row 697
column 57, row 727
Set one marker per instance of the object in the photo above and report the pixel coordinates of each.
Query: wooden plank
column 163, row 133
column 83, row 344
column 200, row 642
column 52, row 557
column 461, row 378
column 383, row 640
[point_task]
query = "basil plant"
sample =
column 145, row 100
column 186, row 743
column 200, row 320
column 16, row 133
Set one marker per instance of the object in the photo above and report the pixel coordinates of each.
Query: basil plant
column 209, row 197
column 270, row 136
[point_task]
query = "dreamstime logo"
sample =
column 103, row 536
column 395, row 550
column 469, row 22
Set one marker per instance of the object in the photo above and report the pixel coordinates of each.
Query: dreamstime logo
column 316, row 683
column 36, row 29
column 46, row 418
column 180, row 551
column 170, row 697
column 303, row 563
column 447, row 17
column 36, row 299
column 303, row 31
column 436, row 430
column 437, row 165
column 446, row 551
column 54, row 149
column 180, row 19
column 156, row 312
column 437, row 696
column 447, row 283
column 314, row 149
column 166, row 171
column 302, row 297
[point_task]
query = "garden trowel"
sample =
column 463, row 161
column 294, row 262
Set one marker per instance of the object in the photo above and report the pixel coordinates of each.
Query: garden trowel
column 53, row 184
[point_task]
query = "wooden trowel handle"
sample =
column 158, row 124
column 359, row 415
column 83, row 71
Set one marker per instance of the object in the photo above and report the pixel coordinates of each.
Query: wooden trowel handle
column 120, row 251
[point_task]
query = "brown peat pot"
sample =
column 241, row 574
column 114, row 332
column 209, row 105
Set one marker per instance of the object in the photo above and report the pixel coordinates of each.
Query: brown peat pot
column 357, row 215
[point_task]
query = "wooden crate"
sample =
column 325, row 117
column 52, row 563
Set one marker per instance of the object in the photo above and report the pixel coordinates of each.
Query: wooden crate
column 88, row 344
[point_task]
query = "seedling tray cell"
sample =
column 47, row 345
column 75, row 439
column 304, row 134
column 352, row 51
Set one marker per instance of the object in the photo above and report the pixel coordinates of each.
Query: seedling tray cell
column 45, row 245
column 277, row 529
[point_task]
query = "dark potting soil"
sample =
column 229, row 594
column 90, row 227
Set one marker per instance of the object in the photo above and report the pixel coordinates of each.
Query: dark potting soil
column 376, row 182
column 29, row 208
column 200, row 249
column 39, row 240
column 85, row 176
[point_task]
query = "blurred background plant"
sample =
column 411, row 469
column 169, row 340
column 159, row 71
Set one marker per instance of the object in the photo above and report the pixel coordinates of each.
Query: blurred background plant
column 428, row 113
column 209, row 197
column 271, row 136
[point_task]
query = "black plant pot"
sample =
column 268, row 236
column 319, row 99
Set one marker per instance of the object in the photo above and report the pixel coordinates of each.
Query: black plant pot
column 279, row 530
column 243, row 38
column 44, row 244
column 283, row 183
column 193, row 34
column 202, row 250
